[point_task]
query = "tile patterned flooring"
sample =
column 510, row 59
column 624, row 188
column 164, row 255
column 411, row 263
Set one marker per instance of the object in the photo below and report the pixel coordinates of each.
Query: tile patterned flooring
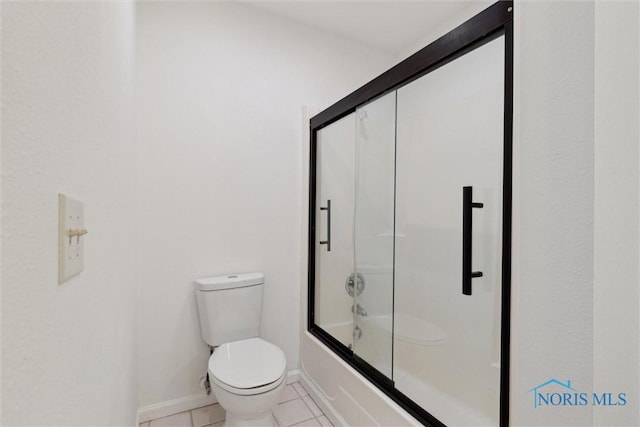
column 296, row 408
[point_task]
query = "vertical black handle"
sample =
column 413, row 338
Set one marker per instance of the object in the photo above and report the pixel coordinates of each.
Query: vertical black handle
column 328, row 209
column 467, row 233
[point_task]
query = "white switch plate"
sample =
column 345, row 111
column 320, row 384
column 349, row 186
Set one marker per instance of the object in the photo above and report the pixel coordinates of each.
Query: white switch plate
column 70, row 249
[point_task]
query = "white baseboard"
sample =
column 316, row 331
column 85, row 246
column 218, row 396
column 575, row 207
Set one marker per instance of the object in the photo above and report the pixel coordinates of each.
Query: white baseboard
column 171, row 407
column 318, row 397
column 187, row 403
column 293, row 376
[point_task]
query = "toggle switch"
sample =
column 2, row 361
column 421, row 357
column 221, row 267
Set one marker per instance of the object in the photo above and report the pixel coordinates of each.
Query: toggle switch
column 71, row 235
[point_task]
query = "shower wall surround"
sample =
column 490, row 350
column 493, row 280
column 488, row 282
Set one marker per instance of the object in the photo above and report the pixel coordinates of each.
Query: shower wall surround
column 410, row 226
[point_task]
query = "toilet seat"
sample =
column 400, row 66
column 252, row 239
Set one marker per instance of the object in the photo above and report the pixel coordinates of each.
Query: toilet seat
column 248, row 391
column 247, row 367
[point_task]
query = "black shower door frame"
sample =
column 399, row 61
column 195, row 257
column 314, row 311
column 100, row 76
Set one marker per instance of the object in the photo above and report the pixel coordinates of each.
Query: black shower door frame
column 493, row 22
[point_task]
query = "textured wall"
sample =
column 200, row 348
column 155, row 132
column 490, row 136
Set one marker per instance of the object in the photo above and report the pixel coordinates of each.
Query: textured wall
column 616, row 337
column 575, row 305
column 68, row 351
column 220, row 89
column 552, row 304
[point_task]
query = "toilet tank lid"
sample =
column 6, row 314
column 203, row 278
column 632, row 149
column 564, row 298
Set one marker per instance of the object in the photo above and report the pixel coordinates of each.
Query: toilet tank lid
column 229, row 281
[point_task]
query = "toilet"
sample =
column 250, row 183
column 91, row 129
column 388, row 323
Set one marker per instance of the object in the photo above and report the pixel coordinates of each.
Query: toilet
column 247, row 374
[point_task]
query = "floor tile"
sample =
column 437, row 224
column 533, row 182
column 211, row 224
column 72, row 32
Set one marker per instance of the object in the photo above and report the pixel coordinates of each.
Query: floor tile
column 292, row 412
column 296, row 409
column 324, row 421
column 183, row 419
column 301, row 391
column 309, row 423
column 289, row 393
column 207, row 415
column 312, row 405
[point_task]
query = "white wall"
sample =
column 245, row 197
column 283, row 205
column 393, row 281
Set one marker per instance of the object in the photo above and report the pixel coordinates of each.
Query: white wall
column 552, row 304
column 575, row 282
column 220, row 89
column 68, row 351
column 465, row 11
column 616, row 321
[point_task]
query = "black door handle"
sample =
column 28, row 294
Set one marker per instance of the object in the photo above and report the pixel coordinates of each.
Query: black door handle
column 467, row 230
column 328, row 241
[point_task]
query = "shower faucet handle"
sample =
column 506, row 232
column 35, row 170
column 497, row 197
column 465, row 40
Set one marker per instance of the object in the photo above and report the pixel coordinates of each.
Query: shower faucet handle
column 359, row 310
column 355, row 284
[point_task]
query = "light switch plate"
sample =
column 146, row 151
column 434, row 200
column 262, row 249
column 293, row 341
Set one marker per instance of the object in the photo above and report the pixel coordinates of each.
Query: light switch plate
column 70, row 246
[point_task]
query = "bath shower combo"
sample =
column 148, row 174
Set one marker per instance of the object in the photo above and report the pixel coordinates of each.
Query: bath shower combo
column 410, row 226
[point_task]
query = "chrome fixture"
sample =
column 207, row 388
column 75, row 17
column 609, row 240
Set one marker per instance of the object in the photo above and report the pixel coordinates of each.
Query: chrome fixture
column 359, row 284
column 357, row 333
column 359, row 310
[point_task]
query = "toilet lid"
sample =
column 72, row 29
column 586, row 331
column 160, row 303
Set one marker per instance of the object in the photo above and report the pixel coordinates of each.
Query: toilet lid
column 248, row 363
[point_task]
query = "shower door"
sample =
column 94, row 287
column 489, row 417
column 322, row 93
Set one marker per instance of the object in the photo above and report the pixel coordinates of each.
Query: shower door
column 354, row 234
column 410, row 225
column 448, row 261
column 373, row 231
column 334, row 230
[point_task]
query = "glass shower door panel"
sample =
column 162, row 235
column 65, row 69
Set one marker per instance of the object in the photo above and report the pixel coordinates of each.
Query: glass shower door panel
column 335, row 175
column 450, row 136
column 374, row 196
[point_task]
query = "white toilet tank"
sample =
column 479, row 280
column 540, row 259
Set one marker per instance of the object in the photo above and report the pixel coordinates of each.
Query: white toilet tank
column 229, row 307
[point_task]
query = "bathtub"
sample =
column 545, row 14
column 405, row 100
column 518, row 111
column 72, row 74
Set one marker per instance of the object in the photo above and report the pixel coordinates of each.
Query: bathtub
column 417, row 345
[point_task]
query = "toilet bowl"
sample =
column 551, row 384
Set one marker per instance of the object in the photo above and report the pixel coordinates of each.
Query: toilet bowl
column 248, row 378
column 247, row 374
